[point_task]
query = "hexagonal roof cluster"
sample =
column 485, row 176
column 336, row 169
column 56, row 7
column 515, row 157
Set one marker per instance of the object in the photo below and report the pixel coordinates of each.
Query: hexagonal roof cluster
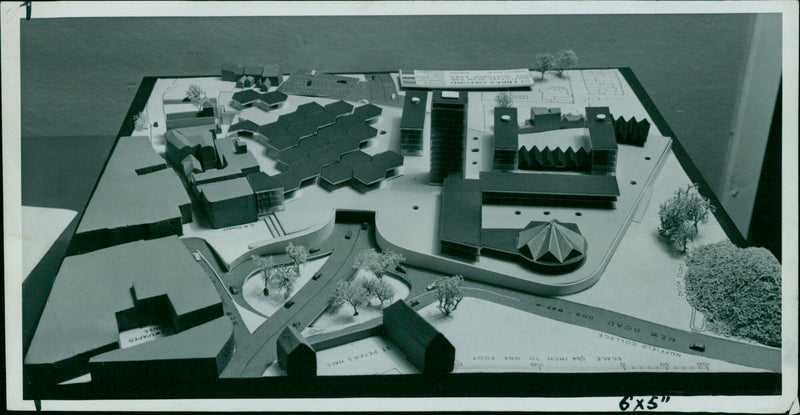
column 316, row 139
column 359, row 170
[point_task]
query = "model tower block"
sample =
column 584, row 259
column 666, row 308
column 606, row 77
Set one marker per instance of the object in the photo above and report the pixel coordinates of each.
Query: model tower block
column 603, row 139
column 448, row 132
column 413, row 122
column 506, row 138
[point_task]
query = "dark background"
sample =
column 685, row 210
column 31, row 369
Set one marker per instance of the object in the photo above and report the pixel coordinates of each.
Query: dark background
column 80, row 75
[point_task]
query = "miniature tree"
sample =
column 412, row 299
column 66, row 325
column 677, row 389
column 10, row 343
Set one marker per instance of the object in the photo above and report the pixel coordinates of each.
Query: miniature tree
column 197, row 96
column 351, row 293
column 503, row 100
column 543, row 62
column 140, row 120
column 697, row 206
column 681, row 215
column 265, row 265
column 738, row 290
column 565, row 59
column 389, row 261
column 298, row 254
column 368, row 260
column 377, row 263
column 378, row 288
column 285, row 277
column 449, row 293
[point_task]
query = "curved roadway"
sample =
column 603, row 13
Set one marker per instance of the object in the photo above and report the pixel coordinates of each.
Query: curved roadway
column 256, row 351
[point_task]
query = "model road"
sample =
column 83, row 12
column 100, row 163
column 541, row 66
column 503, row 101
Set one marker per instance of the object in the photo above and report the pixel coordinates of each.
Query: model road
column 595, row 318
column 216, row 274
column 257, row 351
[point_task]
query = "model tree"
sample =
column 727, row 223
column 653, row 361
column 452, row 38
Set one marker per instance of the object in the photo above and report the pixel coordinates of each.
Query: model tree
column 503, row 100
column 697, row 206
column 298, row 254
column 285, row 277
column 389, row 261
column 543, row 62
column 351, row 293
column 377, row 263
column 140, row 120
column 197, row 96
column 738, row 290
column 681, row 215
column 265, row 266
column 565, row 59
column 378, row 288
column 448, row 291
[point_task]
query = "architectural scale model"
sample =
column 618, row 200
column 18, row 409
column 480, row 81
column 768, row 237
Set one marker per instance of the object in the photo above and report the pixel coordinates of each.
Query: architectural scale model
column 309, row 225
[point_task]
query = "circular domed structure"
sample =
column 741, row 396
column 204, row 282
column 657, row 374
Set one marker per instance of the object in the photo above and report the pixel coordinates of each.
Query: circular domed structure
column 553, row 245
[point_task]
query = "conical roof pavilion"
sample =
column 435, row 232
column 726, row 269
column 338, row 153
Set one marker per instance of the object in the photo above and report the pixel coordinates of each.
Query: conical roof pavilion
column 552, row 243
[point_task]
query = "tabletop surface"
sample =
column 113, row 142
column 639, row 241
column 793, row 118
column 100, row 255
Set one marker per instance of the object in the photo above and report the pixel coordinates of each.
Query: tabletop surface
column 621, row 291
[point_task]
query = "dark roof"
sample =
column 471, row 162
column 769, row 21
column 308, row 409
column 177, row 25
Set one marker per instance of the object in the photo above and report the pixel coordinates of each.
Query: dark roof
column 274, row 97
column 272, row 129
column 339, row 108
column 247, row 96
column 426, row 348
column 601, row 132
column 366, row 112
column 387, row 160
column 369, row 173
column 250, row 95
column 402, row 315
column 312, row 143
column 288, row 181
column 356, row 158
column 304, row 169
column 329, row 131
column 321, row 118
column 244, row 125
column 343, row 144
column 309, row 108
column 261, row 182
column 506, row 134
column 552, row 184
column 302, row 129
column 295, row 355
column 336, row 173
column 348, row 121
column 414, row 114
column 282, row 141
column 460, row 215
column 324, row 156
column 362, row 132
column 291, row 118
column 439, row 100
column 291, row 155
